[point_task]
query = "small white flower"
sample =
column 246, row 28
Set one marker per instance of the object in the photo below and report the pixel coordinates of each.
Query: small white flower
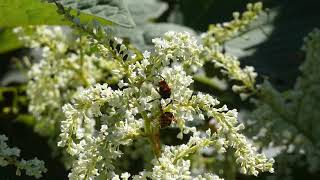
column 122, row 84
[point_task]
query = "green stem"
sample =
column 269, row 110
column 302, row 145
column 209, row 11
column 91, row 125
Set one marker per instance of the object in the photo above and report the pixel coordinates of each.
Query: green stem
column 184, row 153
column 192, row 149
column 153, row 134
column 230, row 170
column 212, row 83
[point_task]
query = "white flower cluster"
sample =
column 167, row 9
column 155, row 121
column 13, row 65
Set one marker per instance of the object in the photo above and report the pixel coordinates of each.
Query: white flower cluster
column 96, row 151
column 67, row 63
column 8, row 156
column 217, row 35
column 154, row 94
column 230, row 66
column 181, row 46
column 171, row 165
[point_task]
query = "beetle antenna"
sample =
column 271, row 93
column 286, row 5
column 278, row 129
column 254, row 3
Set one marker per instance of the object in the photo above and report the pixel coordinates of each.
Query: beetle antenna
column 162, row 77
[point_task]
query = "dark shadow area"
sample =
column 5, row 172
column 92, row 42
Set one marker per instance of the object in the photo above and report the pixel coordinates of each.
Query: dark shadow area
column 31, row 145
column 279, row 56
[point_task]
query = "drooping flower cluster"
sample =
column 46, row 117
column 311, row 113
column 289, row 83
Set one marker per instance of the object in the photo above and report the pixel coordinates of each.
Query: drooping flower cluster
column 217, row 35
column 230, row 66
column 288, row 121
column 220, row 33
column 99, row 119
column 9, row 156
column 171, row 165
column 66, row 63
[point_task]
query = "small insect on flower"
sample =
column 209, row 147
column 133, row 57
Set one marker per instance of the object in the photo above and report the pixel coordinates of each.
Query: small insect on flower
column 166, row 118
column 164, row 89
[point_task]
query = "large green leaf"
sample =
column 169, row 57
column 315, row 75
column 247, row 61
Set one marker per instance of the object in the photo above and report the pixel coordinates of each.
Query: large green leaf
column 145, row 10
column 142, row 35
column 27, row 12
column 143, row 13
column 8, row 40
column 112, row 10
column 35, row 12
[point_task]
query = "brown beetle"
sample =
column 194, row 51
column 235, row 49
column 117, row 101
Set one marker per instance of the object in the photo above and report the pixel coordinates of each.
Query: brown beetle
column 164, row 89
column 166, row 118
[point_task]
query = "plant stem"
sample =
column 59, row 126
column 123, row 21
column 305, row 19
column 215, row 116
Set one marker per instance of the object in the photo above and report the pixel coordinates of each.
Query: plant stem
column 229, row 171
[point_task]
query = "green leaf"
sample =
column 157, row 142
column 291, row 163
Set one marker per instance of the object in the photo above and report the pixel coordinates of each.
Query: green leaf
column 142, row 35
column 27, row 119
column 151, row 10
column 13, row 76
column 36, row 12
column 9, row 40
column 113, row 10
column 145, row 10
column 27, row 12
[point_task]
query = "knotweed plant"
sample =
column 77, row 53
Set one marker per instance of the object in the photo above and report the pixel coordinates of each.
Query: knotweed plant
column 66, row 63
column 103, row 98
column 10, row 156
column 100, row 119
